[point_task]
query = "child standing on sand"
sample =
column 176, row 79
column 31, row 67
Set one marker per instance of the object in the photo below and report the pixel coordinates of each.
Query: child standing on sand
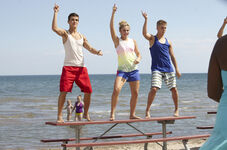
column 69, row 108
column 79, row 108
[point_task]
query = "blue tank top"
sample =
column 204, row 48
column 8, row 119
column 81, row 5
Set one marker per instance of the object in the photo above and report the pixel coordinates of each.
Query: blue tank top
column 160, row 56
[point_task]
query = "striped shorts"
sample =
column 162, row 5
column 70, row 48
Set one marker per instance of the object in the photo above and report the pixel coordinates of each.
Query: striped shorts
column 168, row 77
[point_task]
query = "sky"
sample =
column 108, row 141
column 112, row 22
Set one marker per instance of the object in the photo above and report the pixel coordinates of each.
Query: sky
column 28, row 46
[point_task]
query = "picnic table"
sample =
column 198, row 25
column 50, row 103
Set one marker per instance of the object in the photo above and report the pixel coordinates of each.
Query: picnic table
column 161, row 120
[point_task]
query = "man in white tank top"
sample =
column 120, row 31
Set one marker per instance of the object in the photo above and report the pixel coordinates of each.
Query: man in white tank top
column 73, row 69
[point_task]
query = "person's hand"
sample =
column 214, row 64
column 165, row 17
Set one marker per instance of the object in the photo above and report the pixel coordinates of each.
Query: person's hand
column 137, row 61
column 144, row 15
column 225, row 20
column 56, row 8
column 114, row 8
column 99, row 53
column 178, row 74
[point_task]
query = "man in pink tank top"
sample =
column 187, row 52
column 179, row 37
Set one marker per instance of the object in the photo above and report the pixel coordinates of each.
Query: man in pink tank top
column 73, row 69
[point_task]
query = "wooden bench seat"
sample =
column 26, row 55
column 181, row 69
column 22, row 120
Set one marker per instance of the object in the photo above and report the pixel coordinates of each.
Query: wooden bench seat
column 104, row 137
column 205, row 127
column 137, row 141
column 211, row 112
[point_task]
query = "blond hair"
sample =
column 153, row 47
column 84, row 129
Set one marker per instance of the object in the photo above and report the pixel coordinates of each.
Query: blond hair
column 122, row 24
column 161, row 22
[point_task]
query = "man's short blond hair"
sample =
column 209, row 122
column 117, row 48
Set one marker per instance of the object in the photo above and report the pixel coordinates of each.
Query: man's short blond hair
column 161, row 22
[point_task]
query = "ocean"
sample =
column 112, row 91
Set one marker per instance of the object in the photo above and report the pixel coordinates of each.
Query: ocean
column 27, row 102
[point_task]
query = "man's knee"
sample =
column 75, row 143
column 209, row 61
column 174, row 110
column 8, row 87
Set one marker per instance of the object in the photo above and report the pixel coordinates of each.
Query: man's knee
column 87, row 94
column 154, row 90
column 62, row 94
column 174, row 90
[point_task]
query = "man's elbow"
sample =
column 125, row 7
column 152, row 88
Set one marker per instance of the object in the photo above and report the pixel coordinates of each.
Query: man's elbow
column 144, row 34
column 54, row 29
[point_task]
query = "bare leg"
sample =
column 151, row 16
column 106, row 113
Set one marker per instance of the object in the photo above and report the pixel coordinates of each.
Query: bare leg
column 80, row 117
column 68, row 117
column 119, row 82
column 61, row 101
column 150, row 100
column 134, row 86
column 175, row 100
column 87, row 100
column 76, row 117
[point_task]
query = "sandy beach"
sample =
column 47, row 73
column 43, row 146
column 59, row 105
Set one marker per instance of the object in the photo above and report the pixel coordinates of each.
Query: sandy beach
column 194, row 144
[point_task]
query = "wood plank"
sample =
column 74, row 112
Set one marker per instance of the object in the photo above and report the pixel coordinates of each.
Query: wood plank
column 104, row 137
column 205, row 127
column 120, row 121
column 211, row 112
column 137, row 141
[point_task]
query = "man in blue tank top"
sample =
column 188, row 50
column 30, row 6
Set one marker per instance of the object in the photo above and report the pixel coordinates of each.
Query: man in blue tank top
column 161, row 53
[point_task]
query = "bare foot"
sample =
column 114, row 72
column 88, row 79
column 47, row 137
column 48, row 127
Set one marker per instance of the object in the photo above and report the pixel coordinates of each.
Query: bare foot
column 87, row 117
column 112, row 118
column 176, row 113
column 148, row 116
column 60, row 120
column 134, row 117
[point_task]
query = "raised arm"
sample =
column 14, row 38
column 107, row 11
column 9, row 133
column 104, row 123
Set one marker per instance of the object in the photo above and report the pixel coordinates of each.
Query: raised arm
column 91, row 49
column 137, row 53
column 145, row 33
column 55, row 28
column 112, row 31
column 220, row 32
column 174, row 60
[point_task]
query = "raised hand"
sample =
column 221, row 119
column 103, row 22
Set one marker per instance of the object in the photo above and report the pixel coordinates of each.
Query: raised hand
column 114, row 8
column 56, row 8
column 144, row 15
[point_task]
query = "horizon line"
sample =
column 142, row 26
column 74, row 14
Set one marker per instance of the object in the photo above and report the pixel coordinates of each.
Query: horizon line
column 91, row 74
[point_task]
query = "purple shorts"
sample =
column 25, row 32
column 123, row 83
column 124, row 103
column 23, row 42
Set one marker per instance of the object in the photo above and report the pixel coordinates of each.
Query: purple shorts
column 129, row 76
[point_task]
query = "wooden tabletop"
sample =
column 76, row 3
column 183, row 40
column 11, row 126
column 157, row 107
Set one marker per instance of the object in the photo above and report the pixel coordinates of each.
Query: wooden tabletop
column 119, row 121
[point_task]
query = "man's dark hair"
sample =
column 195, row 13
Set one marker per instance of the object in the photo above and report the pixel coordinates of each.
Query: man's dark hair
column 73, row 15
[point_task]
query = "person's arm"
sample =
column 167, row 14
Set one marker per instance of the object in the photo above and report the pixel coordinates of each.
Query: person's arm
column 112, row 30
column 220, row 32
column 145, row 33
column 137, row 53
column 74, row 108
column 55, row 28
column 173, row 59
column 91, row 49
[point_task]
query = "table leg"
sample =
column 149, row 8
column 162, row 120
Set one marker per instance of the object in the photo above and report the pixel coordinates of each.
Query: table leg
column 164, row 122
column 77, row 135
column 164, row 147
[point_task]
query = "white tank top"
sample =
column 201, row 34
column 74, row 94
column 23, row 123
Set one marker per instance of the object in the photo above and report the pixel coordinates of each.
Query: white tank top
column 126, row 55
column 73, row 51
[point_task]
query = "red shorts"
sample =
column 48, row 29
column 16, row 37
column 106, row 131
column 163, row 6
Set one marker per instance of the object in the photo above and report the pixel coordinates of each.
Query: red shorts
column 77, row 74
